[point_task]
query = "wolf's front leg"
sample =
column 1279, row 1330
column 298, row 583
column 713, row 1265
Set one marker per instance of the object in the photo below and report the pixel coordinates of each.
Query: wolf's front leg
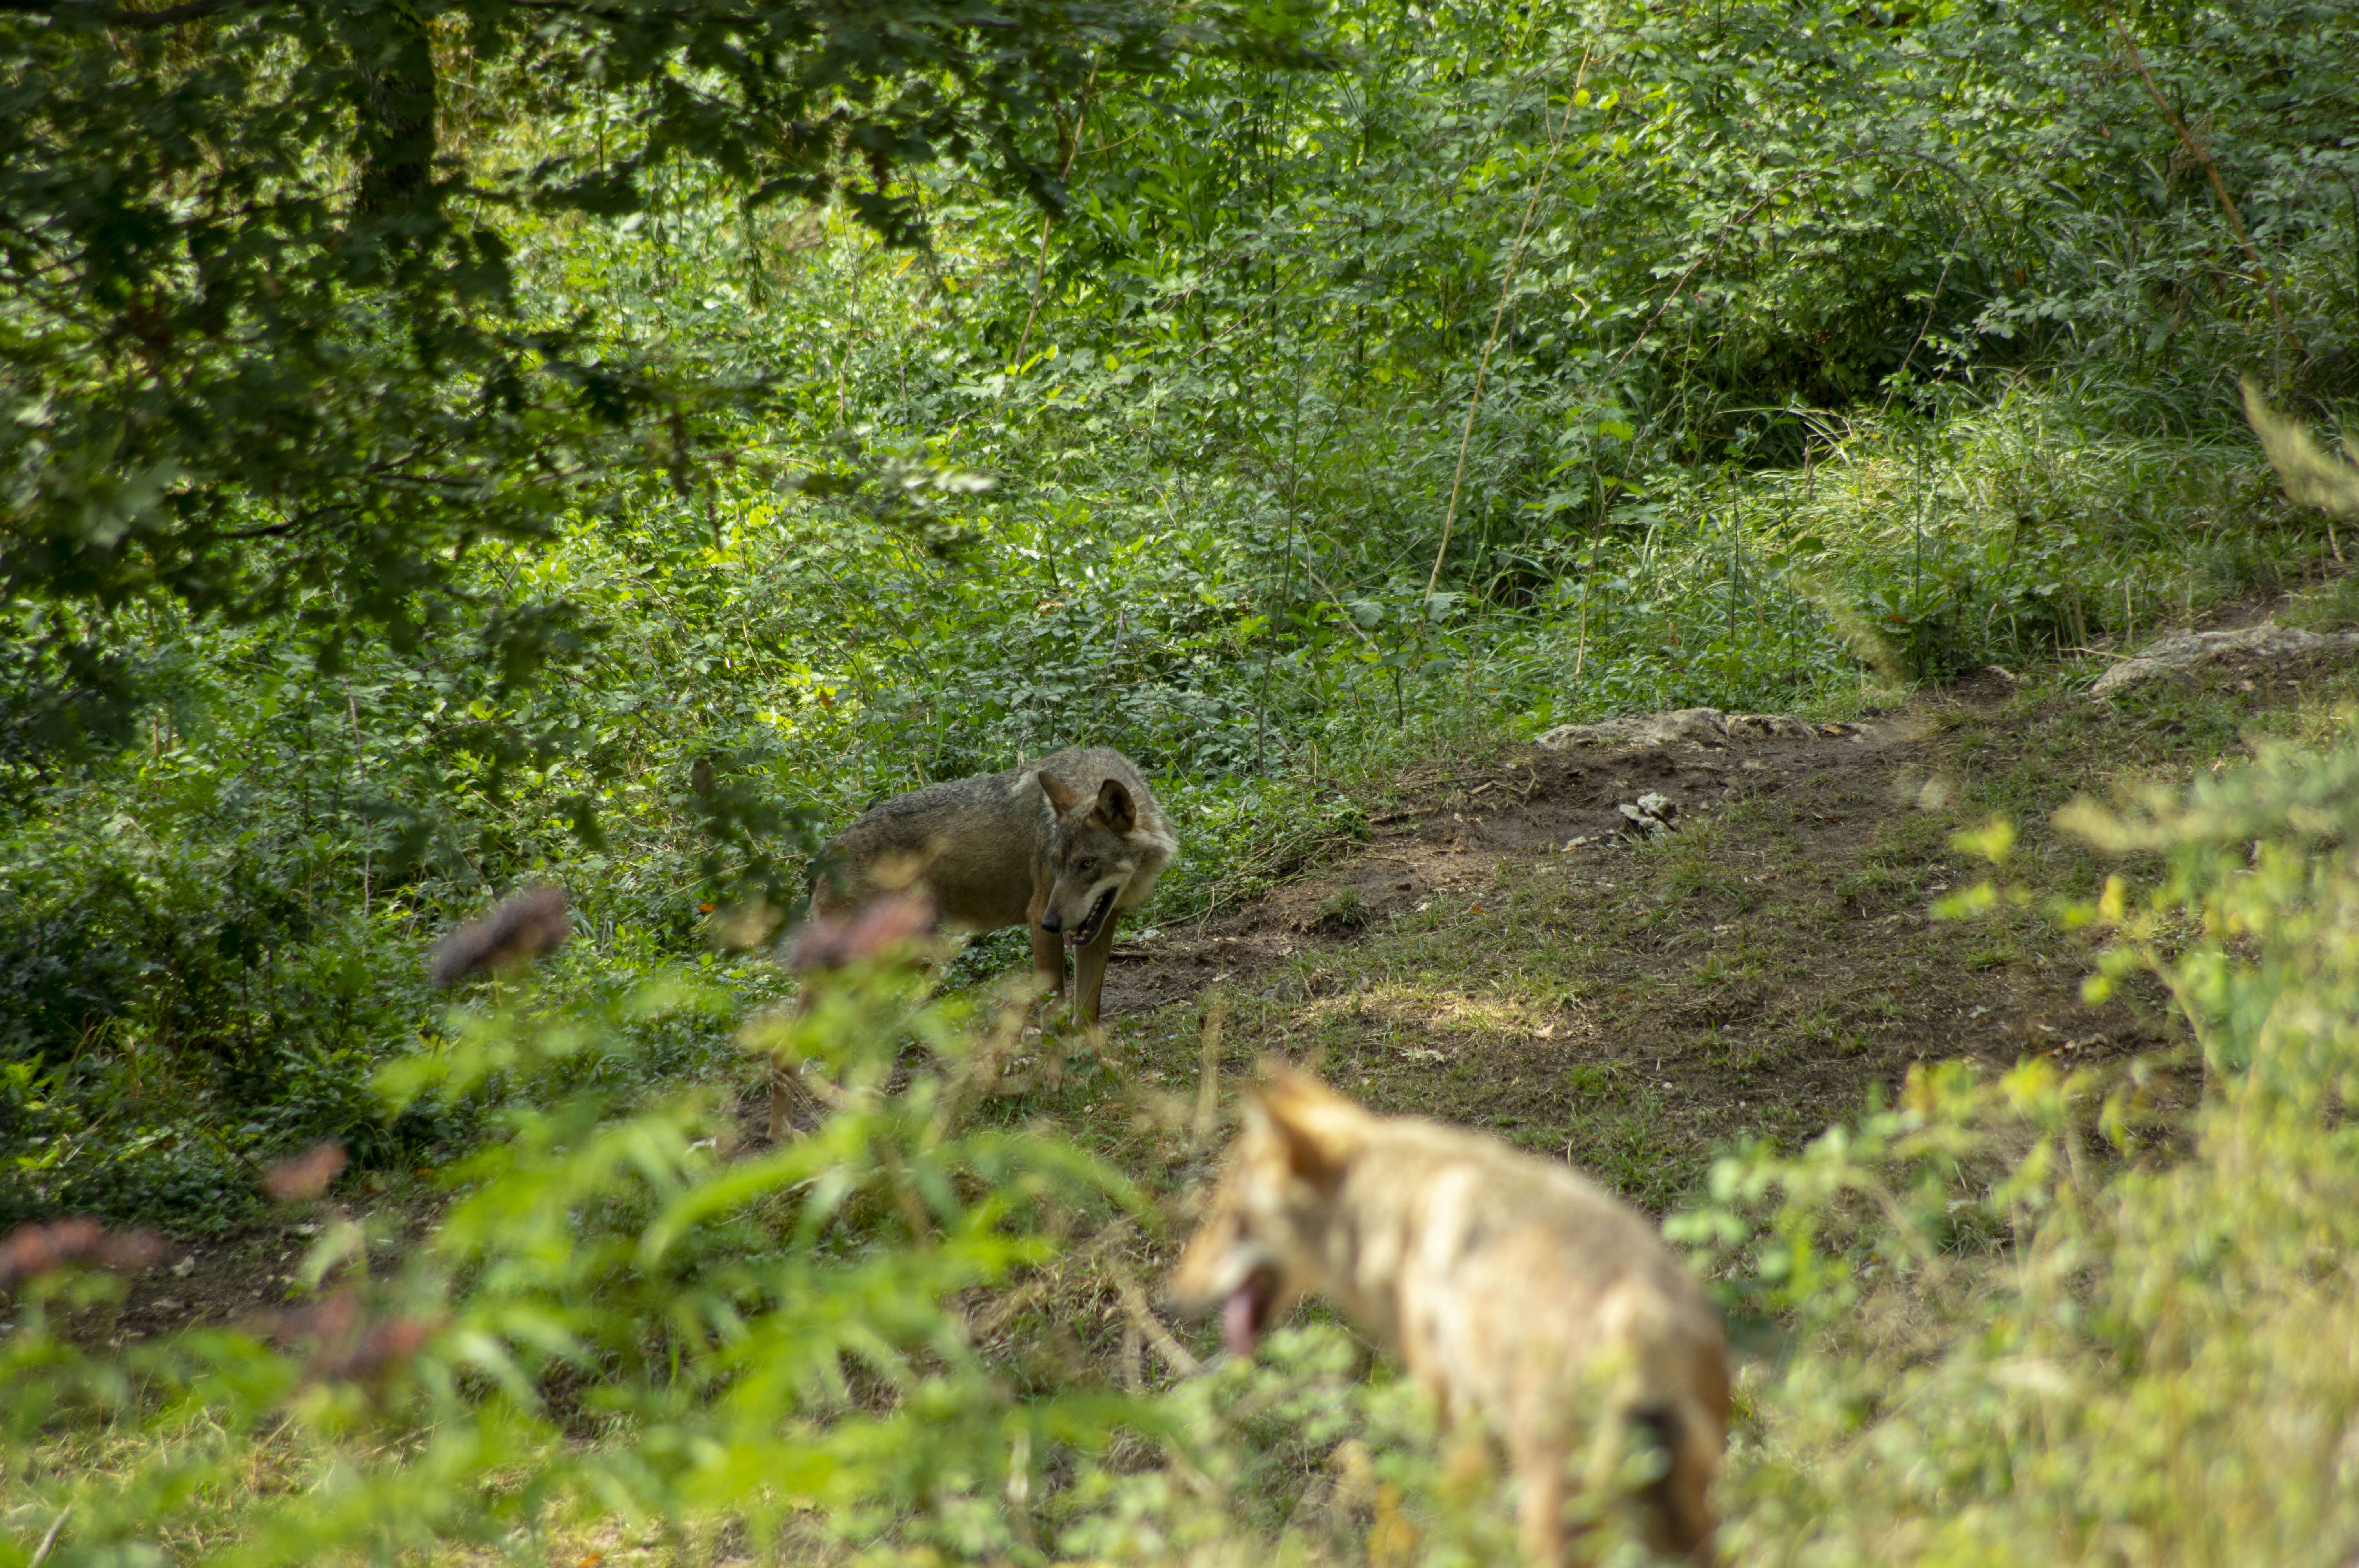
column 1088, row 972
column 1539, row 1469
column 1047, row 961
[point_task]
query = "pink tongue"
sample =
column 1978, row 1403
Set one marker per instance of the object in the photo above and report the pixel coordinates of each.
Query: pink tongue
column 1072, row 938
column 1237, row 1322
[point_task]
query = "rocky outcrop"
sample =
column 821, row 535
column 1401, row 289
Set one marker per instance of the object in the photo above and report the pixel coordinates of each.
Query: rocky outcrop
column 2185, row 650
column 1705, row 727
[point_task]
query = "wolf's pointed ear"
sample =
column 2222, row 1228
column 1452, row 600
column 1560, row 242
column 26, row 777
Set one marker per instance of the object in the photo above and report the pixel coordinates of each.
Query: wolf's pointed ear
column 1061, row 798
column 1116, row 808
column 1320, row 1129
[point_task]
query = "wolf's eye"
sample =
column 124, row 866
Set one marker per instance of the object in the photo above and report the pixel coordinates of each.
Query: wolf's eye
column 1089, row 865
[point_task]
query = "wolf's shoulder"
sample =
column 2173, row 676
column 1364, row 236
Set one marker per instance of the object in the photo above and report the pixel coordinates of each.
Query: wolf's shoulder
column 951, row 795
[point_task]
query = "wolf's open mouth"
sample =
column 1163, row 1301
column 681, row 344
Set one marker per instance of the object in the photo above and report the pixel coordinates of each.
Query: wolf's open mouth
column 1093, row 921
column 1246, row 1311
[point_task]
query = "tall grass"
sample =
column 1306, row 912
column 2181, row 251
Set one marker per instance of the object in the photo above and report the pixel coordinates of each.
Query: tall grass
column 2093, row 1317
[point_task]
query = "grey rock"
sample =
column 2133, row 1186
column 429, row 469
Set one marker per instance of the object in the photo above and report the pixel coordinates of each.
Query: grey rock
column 2185, row 650
column 1649, row 816
column 1768, row 726
column 1703, row 726
column 1697, row 726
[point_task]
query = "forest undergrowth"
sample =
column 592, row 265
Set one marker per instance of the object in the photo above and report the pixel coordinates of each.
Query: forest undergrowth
column 1361, row 403
column 1711, row 373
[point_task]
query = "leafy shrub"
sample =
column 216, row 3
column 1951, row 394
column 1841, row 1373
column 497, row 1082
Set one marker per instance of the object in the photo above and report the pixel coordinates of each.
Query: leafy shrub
column 609, row 1314
column 172, row 1010
column 2067, row 1315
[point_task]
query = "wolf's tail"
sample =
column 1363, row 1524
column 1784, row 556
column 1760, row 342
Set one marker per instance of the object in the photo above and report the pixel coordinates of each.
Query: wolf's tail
column 1682, row 1522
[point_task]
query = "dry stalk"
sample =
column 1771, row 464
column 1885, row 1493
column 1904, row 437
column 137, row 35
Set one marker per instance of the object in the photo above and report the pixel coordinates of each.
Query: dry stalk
column 1499, row 318
column 1208, row 1077
column 1176, row 1355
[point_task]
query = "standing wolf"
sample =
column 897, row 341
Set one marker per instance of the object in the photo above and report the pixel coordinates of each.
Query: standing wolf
column 1060, row 845
column 1517, row 1291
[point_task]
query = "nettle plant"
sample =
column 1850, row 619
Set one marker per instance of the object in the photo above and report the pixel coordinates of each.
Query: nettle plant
column 614, row 1315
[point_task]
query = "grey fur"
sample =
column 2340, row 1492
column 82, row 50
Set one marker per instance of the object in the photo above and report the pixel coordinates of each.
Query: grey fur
column 1059, row 844
column 995, row 853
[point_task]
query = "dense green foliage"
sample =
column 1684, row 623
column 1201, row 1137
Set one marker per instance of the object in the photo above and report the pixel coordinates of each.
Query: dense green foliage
column 1517, row 367
column 609, row 1315
column 453, row 447
column 265, row 358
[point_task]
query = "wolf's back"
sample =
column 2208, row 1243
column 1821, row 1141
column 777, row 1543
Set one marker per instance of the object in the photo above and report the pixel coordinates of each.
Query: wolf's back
column 976, row 841
column 982, row 843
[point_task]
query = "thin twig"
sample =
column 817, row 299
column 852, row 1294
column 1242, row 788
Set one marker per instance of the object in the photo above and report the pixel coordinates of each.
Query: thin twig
column 360, row 768
column 1040, row 271
column 1176, row 1355
column 1712, row 255
column 1499, row 318
column 51, row 1539
column 1208, row 1082
column 2203, row 156
column 1925, row 325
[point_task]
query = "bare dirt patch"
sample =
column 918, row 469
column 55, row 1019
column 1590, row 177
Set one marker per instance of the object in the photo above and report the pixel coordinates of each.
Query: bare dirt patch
column 245, row 1277
column 1632, row 1003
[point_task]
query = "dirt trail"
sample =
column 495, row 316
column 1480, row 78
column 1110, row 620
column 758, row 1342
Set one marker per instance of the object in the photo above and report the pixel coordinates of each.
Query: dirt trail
column 1631, row 1001
column 1528, row 807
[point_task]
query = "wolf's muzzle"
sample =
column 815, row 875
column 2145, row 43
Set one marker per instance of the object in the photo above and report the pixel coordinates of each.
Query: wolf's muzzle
column 1093, row 921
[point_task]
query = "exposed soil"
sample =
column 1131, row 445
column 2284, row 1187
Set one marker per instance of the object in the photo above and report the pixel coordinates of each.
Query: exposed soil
column 247, row 1277
column 1509, row 950
column 1629, row 1002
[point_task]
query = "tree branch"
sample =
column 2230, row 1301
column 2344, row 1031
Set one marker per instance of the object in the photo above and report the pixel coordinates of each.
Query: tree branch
column 109, row 16
column 2202, row 154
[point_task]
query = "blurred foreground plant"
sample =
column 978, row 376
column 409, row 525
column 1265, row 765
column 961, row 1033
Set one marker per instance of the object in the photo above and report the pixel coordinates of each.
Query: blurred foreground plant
column 613, row 1317
column 2099, row 1314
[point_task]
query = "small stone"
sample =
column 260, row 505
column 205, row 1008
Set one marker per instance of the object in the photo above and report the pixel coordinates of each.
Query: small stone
column 1644, row 820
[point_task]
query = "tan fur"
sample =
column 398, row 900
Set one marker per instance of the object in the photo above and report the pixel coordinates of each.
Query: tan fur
column 1037, row 845
column 1523, row 1295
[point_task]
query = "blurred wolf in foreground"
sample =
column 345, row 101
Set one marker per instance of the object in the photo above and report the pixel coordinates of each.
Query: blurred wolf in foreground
column 1060, row 845
column 1514, row 1289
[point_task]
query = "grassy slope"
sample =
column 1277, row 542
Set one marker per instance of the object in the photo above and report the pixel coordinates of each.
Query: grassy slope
column 1759, row 974
column 1635, row 1008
